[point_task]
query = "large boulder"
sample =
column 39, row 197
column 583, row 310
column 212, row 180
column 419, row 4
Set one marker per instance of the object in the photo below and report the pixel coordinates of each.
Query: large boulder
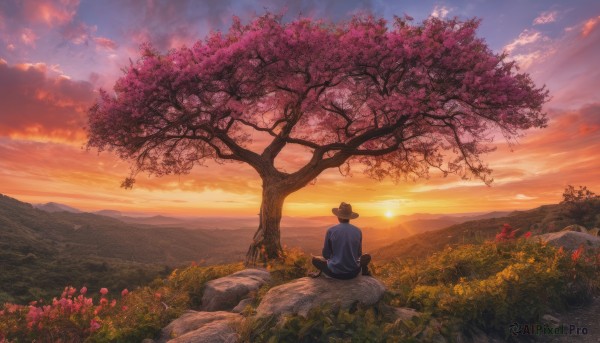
column 571, row 240
column 223, row 294
column 209, row 327
column 300, row 296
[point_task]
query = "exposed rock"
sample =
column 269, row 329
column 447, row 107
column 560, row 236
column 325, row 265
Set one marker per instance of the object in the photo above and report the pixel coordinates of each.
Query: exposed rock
column 405, row 313
column 301, row 295
column 575, row 227
column 571, row 240
column 203, row 327
column 242, row 305
column 223, row 294
column 550, row 319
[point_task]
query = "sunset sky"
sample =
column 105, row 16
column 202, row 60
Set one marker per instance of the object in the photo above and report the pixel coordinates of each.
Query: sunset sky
column 55, row 55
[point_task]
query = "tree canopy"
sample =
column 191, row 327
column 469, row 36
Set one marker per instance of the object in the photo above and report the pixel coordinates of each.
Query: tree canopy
column 397, row 98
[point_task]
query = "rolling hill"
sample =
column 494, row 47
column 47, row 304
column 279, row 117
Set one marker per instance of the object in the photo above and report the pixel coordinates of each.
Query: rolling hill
column 547, row 218
column 46, row 247
column 42, row 251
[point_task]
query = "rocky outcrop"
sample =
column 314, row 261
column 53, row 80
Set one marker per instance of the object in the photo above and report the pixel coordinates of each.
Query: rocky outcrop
column 571, row 240
column 206, row 327
column 223, row 294
column 575, row 227
column 301, row 295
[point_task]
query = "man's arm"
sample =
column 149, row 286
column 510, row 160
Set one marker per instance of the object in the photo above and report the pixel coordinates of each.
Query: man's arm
column 360, row 246
column 327, row 251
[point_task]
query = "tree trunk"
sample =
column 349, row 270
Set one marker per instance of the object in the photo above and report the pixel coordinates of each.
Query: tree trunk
column 267, row 245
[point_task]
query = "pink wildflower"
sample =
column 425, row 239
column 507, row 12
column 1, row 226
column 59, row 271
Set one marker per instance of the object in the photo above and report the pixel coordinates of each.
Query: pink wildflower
column 506, row 234
column 124, row 292
column 83, row 290
column 527, row 234
column 103, row 291
column 94, row 325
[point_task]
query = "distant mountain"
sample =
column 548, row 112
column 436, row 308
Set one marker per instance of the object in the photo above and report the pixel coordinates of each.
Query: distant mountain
column 153, row 220
column 109, row 213
column 56, row 207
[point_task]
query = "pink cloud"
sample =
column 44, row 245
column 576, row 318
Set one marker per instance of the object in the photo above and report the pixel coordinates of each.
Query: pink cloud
column 525, row 38
column 51, row 13
column 77, row 32
column 28, row 37
column 37, row 103
column 568, row 66
column 106, row 43
column 440, row 11
column 545, row 18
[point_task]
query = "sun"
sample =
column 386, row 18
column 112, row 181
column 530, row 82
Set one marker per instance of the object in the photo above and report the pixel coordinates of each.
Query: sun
column 389, row 214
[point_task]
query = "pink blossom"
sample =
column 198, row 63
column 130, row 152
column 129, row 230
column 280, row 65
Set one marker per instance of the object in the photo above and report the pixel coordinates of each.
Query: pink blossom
column 103, row 291
column 124, row 292
column 83, row 290
column 94, row 325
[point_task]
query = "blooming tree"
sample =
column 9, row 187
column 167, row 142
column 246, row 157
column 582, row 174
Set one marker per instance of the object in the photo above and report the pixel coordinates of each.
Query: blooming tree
column 395, row 99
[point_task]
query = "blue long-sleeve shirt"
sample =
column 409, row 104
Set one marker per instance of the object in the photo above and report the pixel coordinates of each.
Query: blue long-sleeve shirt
column 343, row 248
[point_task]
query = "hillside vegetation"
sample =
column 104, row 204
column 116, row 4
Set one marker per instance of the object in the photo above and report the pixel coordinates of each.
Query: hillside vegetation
column 460, row 291
column 42, row 252
column 547, row 218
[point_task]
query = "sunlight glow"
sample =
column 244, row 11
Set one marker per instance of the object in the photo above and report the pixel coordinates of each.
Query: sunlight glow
column 389, row 214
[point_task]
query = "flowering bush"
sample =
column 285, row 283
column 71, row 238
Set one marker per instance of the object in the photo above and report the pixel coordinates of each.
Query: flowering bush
column 77, row 317
column 507, row 233
column 72, row 317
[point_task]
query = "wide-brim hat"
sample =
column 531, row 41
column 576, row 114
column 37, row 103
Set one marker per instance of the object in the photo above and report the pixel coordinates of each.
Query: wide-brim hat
column 344, row 211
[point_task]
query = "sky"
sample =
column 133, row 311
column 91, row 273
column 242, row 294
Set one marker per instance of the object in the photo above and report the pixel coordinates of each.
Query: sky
column 56, row 54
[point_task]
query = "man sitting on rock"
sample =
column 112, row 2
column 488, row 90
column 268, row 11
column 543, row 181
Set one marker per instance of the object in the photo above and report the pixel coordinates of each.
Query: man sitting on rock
column 342, row 253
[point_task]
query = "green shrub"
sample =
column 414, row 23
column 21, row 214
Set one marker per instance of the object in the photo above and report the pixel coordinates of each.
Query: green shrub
column 491, row 285
column 331, row 324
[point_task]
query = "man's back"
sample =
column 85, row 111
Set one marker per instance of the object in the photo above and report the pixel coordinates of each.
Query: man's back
column 343, row 248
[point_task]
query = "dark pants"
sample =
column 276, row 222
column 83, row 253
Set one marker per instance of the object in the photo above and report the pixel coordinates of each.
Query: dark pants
column 321, row 264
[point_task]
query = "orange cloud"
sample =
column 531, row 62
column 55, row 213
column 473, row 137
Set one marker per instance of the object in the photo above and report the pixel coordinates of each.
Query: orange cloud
column 38, row 105
column 589, row 26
